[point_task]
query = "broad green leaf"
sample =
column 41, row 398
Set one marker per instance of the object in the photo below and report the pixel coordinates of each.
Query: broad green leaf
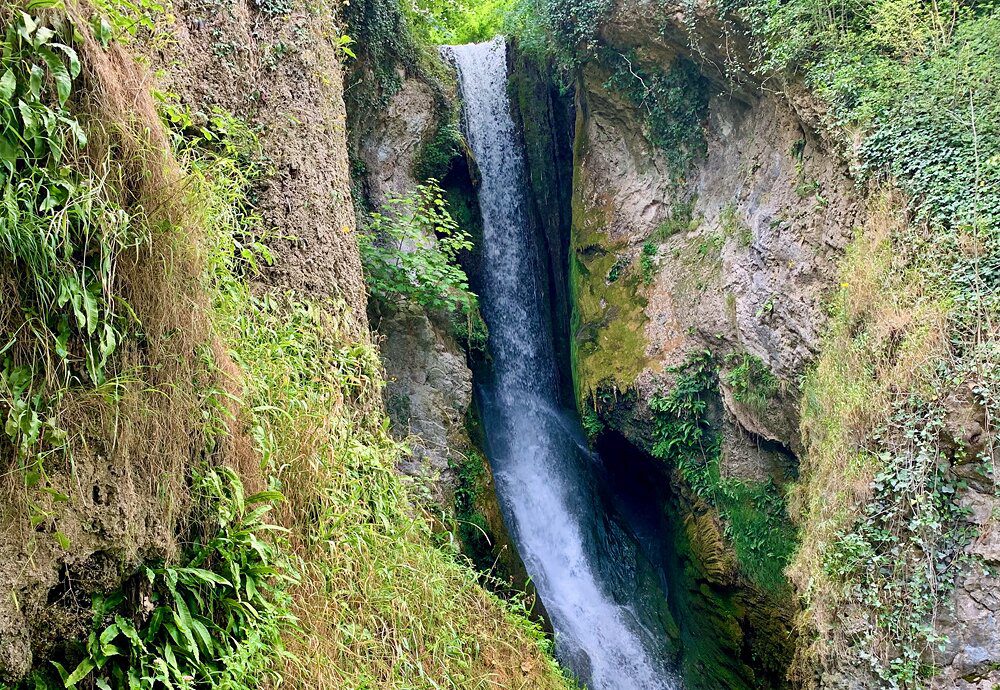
column 265, row 496
column 35, row 82
column 205, row 575
column 8, row 84
column 182, row 616
column 110, row 633
column 26, row 26
column 42, row 36
column 204, row 637
column 74, row 59
column 64, row 83
column 63, row 540
column 91, row 311
column 81, row 672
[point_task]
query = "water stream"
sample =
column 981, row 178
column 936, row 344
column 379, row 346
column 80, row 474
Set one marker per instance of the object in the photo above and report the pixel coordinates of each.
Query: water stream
column 581, row 553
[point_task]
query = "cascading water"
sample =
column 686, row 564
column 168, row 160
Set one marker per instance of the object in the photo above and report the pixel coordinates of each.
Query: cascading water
column 576, row 554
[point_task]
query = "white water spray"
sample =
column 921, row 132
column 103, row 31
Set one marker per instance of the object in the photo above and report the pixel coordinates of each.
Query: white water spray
column 551, row 508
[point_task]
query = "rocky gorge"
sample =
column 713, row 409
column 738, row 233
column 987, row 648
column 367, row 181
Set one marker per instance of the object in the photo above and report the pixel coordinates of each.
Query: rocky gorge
column 746, row 435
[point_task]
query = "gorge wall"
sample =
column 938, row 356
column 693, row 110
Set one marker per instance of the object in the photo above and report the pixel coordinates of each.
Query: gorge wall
column 715, row 220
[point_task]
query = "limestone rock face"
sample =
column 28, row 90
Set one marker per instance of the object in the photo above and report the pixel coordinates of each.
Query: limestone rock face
column 390, row 147
column 428, row 392
column 429, row 387
column 742, row 251
column 737, row 253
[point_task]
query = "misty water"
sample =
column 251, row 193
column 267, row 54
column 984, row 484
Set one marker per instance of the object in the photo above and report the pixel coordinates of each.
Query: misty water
column 578, row 547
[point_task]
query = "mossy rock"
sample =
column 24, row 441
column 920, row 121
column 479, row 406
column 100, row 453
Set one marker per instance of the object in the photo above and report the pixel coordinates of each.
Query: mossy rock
column 609, row 318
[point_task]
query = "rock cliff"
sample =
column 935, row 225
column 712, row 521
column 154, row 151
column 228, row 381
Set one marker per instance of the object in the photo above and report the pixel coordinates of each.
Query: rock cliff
column 714, row 217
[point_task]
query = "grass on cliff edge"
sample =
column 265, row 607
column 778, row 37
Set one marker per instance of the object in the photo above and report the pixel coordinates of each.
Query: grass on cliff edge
column 285, row 390
column 379, row 605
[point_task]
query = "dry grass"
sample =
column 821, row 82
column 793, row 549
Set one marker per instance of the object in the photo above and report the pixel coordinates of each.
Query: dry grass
column 886, row 336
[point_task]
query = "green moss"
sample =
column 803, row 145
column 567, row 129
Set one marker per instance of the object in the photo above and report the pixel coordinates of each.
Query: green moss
column 608, row 343
column 681, row 219
column 710, row 637
column 734, row 226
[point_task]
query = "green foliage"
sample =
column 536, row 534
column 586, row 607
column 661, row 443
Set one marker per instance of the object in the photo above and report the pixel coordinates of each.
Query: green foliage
column 453, row 22
column 910, row 88
column 29, row 423
column 593, row 425
column 673, row 103
column 733, row 225
column 469, row 327
column 565, row 30
column 214, row 621
column 125, row 20
column 410, row 250
column 471, row 523
column 61, row 229
column 753, row 513
column 277, row 8
column 619, row 266
column 913, row 513
column 648, row 262
column 751, row 382
column 681, row 219
column 384, row 42
column 379, row 603
column 915, row 80
column 436, row 156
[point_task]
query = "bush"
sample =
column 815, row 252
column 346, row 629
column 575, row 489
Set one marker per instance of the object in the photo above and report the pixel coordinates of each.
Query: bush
column 411, row 251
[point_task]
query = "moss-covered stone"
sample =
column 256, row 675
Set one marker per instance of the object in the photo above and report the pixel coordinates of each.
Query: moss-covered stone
column 608, row 319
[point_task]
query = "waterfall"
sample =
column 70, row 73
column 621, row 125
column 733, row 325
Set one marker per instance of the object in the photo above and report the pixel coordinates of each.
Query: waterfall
column 545, row 475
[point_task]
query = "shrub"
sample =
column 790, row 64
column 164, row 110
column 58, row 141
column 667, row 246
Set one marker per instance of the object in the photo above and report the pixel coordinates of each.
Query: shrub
column 411, row 251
